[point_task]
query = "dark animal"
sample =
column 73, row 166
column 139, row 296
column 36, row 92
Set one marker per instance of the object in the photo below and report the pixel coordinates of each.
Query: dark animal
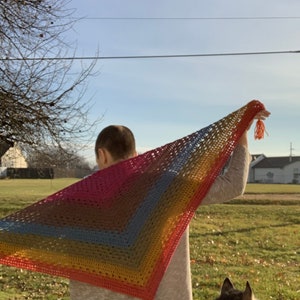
column 228, row 292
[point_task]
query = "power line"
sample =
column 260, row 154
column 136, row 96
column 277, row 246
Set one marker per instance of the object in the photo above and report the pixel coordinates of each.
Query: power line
column 192, row 18
column 148, row 56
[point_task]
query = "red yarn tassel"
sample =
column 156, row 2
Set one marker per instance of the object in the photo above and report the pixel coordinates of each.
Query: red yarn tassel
column 259, row 130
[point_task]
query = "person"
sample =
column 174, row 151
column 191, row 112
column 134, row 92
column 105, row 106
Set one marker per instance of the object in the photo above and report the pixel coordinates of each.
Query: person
column 116, row 143
column 113, row 144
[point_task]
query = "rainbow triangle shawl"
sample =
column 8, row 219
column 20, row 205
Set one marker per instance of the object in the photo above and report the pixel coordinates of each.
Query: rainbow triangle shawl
column 119, row 227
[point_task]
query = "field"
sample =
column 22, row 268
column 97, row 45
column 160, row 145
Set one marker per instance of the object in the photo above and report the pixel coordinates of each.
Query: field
column 254, row 238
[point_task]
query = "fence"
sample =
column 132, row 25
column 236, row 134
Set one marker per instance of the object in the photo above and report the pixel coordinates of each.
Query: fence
column 42, row 173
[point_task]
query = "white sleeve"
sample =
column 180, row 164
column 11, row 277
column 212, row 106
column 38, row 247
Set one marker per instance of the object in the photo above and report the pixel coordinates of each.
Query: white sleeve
column 233, row 182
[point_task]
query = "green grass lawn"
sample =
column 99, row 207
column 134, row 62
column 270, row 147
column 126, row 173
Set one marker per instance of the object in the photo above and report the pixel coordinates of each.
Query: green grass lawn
column 257, row 188
column 258, row 243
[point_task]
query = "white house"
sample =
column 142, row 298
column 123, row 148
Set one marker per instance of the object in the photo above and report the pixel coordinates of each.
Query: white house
column 13, row 158
column 282, row 169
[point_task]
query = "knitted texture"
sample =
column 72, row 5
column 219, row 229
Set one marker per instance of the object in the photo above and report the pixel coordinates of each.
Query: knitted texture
column 119, row 227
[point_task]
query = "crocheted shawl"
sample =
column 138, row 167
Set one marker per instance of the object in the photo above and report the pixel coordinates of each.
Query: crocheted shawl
column 119, row 227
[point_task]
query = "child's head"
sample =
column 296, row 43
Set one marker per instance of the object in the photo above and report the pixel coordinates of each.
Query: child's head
column 114, row 143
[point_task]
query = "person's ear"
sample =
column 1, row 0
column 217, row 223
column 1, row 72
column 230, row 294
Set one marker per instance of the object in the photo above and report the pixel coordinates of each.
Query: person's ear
column 102, row 158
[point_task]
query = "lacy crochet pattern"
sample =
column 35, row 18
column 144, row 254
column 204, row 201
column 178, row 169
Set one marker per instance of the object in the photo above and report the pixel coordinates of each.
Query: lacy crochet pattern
column 119, row 227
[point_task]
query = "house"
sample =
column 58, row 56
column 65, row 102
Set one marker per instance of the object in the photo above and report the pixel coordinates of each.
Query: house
column 281, row 169
column 13, row 158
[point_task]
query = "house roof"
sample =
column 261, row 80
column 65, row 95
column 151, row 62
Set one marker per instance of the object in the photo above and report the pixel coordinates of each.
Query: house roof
column 4, row 147
column 276, row 162
column 257, row 157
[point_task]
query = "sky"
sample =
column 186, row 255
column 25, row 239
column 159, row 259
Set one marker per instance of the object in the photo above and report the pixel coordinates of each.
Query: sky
column 163, row 99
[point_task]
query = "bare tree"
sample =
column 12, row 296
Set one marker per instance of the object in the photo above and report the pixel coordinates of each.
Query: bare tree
column 55, row 157
column 59, row 162
column 40, row 97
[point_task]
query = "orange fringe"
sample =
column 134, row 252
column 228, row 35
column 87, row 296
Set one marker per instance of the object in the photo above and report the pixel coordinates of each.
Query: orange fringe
column 259, row 130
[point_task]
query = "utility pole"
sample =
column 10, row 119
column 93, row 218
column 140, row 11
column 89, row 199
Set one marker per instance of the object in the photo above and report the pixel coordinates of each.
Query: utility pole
column 291, row 151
